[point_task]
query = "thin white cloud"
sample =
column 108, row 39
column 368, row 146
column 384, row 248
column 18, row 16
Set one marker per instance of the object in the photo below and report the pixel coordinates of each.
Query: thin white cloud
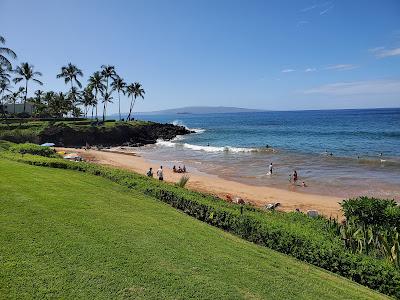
column 326, row 10
column 310, row 70
column 341, row 67
column 288, row 70
column 309, row 8
column 382, row 52
column 368, row 87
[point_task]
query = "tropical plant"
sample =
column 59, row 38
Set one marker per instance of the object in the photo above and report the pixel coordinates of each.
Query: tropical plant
column 88, row 100
column 58, row 104
column 107, row 73
column 13, row 97
column 4, row 75
column 26, row 71
column 119, row 85
column 134, row 90
column 4, row 87
column 70, row 74
column 4, row 52
column 107, row 98
column 183, row 181
column 96, row 83
column 74, row 96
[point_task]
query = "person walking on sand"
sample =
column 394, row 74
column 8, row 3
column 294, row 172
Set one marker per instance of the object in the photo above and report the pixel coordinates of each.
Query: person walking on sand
column 270, row 169
column 150, row 172
column 160, row 174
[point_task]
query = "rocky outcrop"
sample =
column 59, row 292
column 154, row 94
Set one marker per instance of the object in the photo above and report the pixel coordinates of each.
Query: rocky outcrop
column 63, row 134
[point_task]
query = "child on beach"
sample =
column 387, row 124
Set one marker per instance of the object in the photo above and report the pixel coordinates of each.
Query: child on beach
column 160, row 174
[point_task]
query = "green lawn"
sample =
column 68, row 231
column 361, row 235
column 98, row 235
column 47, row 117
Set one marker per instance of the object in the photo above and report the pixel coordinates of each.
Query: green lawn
column 66, row 234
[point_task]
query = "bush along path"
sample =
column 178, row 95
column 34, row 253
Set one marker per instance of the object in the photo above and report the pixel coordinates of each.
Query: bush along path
column 311, row 240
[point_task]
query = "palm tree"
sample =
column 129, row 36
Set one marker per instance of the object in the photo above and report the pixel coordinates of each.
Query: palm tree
column 38, row 96
column 119, row 85
column 4, row 75
column 74, row 96
column 107, row 73
column 88, row 99
column 106, row 99
column 40, row 107
column 4, row 87
column 70, row 74
column 96, row 83
column 7, row 51
column 13, row 97
column 134, row 90
column 25, row 71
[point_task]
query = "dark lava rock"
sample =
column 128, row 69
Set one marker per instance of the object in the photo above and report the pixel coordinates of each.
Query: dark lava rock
column 119, row 134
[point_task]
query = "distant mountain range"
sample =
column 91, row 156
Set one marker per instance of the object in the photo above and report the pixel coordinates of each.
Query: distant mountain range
column 196, row 110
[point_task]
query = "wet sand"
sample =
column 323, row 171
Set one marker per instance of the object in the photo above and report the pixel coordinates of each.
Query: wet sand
column 200, row 181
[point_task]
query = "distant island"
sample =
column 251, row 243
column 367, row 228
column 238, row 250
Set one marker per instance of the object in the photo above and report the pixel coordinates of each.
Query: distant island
column 200, row 110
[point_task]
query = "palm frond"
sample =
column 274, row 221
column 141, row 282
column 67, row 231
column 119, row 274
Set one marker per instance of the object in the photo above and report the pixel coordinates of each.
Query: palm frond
column 8, row 51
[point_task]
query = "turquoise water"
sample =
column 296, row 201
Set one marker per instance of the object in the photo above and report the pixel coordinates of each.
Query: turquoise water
column 365, row 147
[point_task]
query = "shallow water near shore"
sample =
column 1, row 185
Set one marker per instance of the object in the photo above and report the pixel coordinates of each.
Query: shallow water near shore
column 365, row 147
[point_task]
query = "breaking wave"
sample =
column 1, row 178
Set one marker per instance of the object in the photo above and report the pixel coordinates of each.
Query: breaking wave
column 209, row 148
column 180, row 123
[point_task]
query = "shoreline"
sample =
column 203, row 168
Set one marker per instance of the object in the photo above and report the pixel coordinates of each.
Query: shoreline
column 212, row 184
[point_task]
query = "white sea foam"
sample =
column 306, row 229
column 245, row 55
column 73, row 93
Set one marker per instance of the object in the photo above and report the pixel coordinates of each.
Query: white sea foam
column 180, row 123
column 205, row 148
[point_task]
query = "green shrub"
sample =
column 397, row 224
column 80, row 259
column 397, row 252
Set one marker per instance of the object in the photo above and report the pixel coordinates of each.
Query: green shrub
column 311, row 240
column 33, row 149
column 183, row 181
column 372, row 212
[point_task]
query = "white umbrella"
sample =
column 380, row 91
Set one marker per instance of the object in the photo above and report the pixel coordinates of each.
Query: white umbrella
column 48, row 144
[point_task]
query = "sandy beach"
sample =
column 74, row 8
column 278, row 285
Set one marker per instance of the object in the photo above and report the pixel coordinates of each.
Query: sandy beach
column 200, row 181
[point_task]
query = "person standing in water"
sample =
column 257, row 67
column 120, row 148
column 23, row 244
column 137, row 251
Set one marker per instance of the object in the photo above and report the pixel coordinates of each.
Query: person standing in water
column 294, row 177
column 270, row 169
column 160, row 174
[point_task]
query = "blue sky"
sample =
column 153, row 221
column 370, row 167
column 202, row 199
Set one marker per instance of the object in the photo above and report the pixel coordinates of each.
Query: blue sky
column 279, row 55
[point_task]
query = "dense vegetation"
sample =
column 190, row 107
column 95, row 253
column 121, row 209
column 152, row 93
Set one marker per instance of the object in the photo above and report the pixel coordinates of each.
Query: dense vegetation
column 372, row 227
column 71, row 235
column 315, row 241
column 101, row 87
column 80, row 133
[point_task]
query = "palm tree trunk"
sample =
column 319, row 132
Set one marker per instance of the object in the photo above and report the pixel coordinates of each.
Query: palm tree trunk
column 130, row 110
column 26, row 93
column 95, row 96
column 119, row 106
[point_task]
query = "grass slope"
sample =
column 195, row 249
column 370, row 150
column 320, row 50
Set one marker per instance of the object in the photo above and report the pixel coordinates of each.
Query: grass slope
column 72, row 235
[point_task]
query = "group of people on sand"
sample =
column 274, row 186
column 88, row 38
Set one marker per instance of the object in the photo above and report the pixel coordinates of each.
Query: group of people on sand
column 179, row 169
column 160, row 172
column 293, row 177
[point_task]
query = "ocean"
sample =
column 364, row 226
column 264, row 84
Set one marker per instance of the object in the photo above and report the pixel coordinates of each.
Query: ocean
column 344, row 153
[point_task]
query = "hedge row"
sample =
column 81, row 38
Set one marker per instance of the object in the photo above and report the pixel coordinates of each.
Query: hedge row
column 34, row 149
column 309, row 240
